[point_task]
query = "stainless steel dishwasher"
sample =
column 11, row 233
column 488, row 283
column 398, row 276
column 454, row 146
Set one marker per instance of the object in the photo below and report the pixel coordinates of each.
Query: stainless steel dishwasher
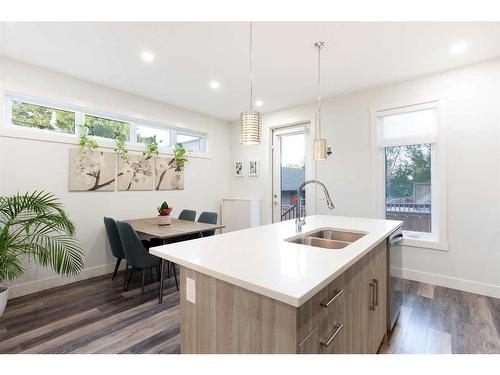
column 394, row 282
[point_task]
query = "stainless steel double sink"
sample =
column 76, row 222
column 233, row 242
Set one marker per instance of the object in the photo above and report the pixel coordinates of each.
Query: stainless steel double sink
column 327, row 238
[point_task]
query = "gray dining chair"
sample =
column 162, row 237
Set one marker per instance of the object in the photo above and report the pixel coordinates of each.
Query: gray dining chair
column 114, row 242
column 208, row 218
column 187, row 215
column 138, row 257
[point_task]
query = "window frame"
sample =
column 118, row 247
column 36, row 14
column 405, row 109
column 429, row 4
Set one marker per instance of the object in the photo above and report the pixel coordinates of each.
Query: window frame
column 437, row 239
column 18, row 131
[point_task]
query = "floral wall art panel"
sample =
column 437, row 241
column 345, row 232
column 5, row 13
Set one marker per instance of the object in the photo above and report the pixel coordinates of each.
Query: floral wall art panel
column 168, row 175
column 92, row 170
column 135, row 172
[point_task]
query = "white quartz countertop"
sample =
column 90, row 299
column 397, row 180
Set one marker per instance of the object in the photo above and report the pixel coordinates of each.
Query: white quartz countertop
column 259, row 259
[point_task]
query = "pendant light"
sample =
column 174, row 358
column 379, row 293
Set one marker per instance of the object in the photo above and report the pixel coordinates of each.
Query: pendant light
column 250, row 121
column 319, row 144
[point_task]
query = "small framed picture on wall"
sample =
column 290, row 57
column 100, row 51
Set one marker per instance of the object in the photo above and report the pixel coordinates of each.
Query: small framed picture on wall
column 253, row 168
column 238, row 169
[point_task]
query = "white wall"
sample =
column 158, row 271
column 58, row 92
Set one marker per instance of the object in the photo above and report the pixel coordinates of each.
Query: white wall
column 472, row 120
column 26, row 165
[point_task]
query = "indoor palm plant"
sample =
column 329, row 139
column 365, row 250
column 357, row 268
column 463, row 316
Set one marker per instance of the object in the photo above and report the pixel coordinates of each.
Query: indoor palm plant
column 34, row 226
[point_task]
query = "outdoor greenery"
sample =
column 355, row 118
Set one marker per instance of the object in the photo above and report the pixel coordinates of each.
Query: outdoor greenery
column 37, row 116
column 106, row 128
column 405, row 166
column 34, row 226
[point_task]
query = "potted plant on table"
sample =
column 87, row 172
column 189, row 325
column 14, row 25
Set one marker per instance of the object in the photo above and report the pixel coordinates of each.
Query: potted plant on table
column 34, row 226
column 164, row 214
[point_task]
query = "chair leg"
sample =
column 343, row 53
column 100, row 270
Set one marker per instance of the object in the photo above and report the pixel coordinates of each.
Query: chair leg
column 142, row 287
column 118, row 261
column 125, row 277
column 129, row 278
column 175, row 277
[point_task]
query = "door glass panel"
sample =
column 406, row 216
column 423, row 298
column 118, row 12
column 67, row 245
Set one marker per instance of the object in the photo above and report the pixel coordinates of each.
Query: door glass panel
column 292, row 173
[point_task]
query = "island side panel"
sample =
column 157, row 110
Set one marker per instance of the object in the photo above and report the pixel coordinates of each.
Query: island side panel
column 230, row 319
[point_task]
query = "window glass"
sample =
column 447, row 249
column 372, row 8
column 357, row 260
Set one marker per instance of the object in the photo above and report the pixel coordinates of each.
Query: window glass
column 190, row 142
column 106, row 128
column 146, row 134
column 41, row 117
column 408, row 186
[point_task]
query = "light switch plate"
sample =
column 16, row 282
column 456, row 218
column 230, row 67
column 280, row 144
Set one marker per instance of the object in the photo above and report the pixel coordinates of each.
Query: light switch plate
column 190, row 290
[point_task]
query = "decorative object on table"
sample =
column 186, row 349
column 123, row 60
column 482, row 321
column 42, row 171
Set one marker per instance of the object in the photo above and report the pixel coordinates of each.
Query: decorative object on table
column 91, row 170
column 320, row 149
column 136, row 172
column 238, row 169
column 250, row 121
column 170, row 171
column 253, row 168
column 164, row 214
column 36, row 227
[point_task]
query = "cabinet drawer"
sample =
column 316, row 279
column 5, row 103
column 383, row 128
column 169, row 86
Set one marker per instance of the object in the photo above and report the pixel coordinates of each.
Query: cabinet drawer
column 316, row 310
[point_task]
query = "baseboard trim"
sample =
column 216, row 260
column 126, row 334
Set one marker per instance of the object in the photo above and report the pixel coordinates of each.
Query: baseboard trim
column 489, row 290
column 29, row 287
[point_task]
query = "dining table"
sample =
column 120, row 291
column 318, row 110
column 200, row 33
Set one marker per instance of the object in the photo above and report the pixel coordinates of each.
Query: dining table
column 153, row 228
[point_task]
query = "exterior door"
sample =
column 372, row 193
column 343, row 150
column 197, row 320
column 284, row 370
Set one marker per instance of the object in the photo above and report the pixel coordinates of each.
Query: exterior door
column 289, row 171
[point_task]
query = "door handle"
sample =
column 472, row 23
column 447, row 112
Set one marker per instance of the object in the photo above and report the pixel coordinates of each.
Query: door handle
column 372, row 290
column 375, row 281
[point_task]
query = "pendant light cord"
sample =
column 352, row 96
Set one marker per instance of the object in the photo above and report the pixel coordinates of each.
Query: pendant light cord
column 251, row 70
column 319, row 45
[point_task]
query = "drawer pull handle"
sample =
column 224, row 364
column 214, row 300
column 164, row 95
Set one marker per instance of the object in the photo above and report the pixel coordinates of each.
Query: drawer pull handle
column 375, row 281
column 338, row 327
column 335, row 296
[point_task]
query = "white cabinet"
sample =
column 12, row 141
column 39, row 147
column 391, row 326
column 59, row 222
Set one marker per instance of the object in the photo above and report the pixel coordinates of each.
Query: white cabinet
column 240, row 213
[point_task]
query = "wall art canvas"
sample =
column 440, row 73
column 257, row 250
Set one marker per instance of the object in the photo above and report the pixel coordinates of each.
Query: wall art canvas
column 168, row 175
column 253, row 168
column 92, row 170
column 135, row 172
column 238, row 169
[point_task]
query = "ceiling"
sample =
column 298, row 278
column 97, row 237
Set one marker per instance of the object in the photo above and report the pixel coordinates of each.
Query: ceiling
column 189, row 55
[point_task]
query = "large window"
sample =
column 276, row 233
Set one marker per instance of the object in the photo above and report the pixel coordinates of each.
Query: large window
column 41, row 115
column 408, row 193
column 407, row 138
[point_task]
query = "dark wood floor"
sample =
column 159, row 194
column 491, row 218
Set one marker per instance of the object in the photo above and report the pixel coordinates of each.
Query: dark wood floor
column 437, row 320
column 97, row 316
column 93, row 316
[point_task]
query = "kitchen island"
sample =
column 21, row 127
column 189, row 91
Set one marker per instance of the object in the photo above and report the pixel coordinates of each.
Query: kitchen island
column 263, row 290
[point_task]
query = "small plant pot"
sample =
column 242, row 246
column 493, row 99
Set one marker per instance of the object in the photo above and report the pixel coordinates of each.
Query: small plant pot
column 164, row 220
column 4, row 295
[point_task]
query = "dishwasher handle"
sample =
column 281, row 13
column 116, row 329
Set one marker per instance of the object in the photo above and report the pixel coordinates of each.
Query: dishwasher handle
column 396, row 239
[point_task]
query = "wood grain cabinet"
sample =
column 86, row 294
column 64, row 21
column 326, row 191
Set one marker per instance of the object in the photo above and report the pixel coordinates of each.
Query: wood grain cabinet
column 367, row 301
column 346, row 316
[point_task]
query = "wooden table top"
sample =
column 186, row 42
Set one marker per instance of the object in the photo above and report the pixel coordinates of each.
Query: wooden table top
column 177, row 227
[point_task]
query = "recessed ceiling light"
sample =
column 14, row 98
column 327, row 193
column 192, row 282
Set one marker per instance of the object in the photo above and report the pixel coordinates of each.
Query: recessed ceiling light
column 214, row 85
column 259, row 103
column 458, row 48
column 147, row 56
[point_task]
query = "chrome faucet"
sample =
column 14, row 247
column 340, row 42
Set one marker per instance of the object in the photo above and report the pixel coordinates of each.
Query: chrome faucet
column 299, row 221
